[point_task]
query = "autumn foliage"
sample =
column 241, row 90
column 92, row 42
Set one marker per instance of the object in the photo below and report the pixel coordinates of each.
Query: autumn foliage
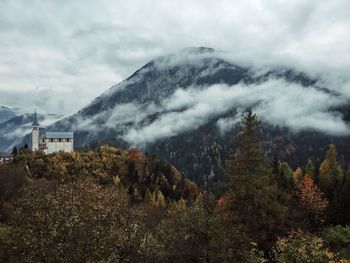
column 311, row 200
column 111, row 205
column 134, row 154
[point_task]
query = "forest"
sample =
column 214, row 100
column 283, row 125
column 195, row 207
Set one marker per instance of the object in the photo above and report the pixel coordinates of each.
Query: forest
column 113, row 205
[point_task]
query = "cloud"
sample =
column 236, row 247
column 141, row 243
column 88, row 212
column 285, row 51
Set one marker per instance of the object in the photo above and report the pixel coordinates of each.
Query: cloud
column 72, row 51
column 275, row 101
column 227, row 124
column 13, row 131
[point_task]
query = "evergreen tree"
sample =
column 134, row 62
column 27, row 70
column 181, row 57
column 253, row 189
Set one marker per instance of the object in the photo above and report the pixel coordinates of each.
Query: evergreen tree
column 253, row 199
column 310, row 170
column 14, row 151
column 275, row 165
column 331, row 175
column 344, row 216
column 285, row 176
column 249, row 157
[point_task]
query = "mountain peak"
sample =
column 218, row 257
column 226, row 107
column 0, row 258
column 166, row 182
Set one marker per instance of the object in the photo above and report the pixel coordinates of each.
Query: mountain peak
column 198, row 50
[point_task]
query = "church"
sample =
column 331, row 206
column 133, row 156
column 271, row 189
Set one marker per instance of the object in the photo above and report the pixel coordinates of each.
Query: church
column 50, row 141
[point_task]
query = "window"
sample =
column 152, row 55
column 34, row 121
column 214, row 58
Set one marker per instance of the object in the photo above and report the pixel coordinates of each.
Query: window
column 43, row 140
column 59, row 140
column 51, row 140
column 67, row 140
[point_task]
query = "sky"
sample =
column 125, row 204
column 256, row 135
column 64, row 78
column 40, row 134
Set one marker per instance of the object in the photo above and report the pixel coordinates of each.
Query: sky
column 57, row 56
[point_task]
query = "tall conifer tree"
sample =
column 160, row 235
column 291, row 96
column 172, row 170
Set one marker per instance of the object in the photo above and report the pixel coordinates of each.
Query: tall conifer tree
column 331, row 175
column 249, row 156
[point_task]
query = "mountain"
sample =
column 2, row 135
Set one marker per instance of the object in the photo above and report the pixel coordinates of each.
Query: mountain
column 15, row 131
column 6, row 114
column 185, row 107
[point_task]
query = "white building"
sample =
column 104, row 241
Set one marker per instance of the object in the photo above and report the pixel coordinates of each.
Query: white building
column 51, row 141
column 5, row 158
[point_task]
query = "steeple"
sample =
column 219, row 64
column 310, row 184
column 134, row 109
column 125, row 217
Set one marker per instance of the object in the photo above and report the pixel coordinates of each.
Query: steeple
column 35, row 121
column 35, row 133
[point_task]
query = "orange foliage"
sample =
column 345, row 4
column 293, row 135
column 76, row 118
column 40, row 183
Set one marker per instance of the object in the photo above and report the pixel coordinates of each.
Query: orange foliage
column 311, row 199
column 222, row 207
column 221, row 202
column 134, row 154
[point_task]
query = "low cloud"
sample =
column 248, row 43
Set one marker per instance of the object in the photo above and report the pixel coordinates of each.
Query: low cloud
column 277, row 102
column 14, row 131
column 227, row 124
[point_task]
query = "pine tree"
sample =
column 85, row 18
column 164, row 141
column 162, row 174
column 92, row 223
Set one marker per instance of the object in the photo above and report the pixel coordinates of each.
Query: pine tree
column 14, row 151
column 285, row 176
column 344, row 216
column 331, row 175
column 275, row 165
column 253, row 199
column 249, row 157
column 310, row 170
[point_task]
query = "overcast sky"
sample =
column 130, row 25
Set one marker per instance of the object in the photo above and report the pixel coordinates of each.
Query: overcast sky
column 58, row 55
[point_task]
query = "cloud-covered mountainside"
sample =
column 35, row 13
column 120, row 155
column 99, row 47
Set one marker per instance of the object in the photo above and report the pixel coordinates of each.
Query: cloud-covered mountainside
column 198, row 96
column 6, row 114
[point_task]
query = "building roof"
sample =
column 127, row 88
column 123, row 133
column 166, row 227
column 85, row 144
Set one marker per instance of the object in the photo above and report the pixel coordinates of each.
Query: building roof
column 59, row 135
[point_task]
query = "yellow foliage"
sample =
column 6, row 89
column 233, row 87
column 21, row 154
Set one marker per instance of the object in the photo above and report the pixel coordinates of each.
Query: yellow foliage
column 297, row 175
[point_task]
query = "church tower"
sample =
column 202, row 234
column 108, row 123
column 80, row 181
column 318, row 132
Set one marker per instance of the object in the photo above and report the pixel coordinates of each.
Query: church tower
column 35, row 133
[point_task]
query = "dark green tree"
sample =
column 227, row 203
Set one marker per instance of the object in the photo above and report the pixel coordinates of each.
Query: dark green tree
column 254, row 199
column 330, row 179
column 344, row 215
column 310, row 170
column 331, row 175
column 14, row 151
column 249, row 156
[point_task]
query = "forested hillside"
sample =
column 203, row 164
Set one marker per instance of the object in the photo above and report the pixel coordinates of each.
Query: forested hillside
column 110, row 205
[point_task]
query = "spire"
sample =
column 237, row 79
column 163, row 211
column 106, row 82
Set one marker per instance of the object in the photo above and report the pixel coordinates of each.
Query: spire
column 35, row 121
